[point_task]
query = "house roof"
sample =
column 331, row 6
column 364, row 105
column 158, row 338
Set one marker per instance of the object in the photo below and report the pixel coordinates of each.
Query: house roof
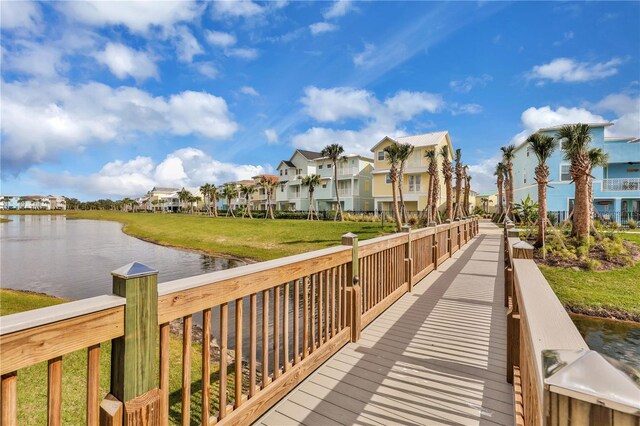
column 362, row 157
column 161, row 189
column 422, row 140
column 558, row 127
column 628, row 139
column 309, row 155
column 288, row 163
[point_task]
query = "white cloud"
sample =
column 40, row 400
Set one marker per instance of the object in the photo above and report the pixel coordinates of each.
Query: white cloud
column 15, row 15
column 628, row 110
column 184, row 167
column 248, row 53
column 187, row 45
column 39, row 60
column 534, row 119
column 353, row 141
column 39, row 120
column 221, row 39
column 272, row 136
column 322, row 27
column 466, row 109
column 482, row 173
column 367, row 57
column 337, row 103
column 465, row 85
column 408, row 104
column 236, row 9
column 570, row 71
column 138, row 16
column 338, row 8
column 207, row 69
column 248, row 90
column 123, row 61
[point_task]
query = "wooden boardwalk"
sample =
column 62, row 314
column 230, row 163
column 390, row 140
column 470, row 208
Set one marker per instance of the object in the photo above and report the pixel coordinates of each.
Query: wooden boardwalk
column 437, row 356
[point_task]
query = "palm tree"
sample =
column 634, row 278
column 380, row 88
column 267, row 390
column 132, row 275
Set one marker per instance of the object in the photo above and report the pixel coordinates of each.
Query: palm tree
column 229, row 192
column 205, row 190
column 334, row 152
column 154, row 203
column 467, row 191
column 393, row 158
column 576, row 138
column 542, row 146
column 508, row 152
column 214, row 193
column 269, row 184
column 183, row 196
column 405, row 150
column 598, row 158
column 500, row 173
column 311, row 181
column 447, row 173
column 459, row 172
column 247, row 191
column 485, row 204
column 432, row 169
column 193, row 199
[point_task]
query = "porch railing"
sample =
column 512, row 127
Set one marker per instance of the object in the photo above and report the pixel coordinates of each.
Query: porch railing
column 621, row 184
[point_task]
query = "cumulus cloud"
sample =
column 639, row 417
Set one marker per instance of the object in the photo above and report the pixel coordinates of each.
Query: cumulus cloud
column 272, row 136
column 236, row 9
column 124, row 61
column 188, row 167
column 627, row 108
column 482, row 173
column 337, row 103
column 571, row 71
column 534, row 119
column 138, row 16
column 221, row 39
column 34, row 59
column 367, row 57
column 40, row 120
column 338, row 8
column 248, row 90
column 207, row 69
column 465, row 85
column 187, row 45
column 17, row 15
column 406, row 104
column 322, row 27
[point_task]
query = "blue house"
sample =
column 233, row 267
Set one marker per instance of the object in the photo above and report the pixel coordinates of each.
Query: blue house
column 616, row 187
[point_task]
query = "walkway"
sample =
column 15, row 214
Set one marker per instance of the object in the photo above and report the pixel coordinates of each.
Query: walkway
column 437, row 356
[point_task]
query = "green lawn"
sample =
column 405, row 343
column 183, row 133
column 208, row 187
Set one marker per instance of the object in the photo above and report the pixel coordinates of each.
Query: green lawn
column 257, row 239
column 617, row 290
column 32, row 381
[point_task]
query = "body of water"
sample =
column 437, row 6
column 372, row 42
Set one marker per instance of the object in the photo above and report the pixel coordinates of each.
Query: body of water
column 74, row 258
column 616, row 339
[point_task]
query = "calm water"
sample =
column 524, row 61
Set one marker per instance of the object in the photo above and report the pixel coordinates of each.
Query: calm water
column 619, row 340
column 74, row 258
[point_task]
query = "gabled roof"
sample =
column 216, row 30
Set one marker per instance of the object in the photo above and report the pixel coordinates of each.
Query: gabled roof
column 422, row 140
column 161, row 189
column 309, row 155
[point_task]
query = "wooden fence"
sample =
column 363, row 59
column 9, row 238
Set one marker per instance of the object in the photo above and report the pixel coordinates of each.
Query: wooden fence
column 557, row 380
column 301, row 310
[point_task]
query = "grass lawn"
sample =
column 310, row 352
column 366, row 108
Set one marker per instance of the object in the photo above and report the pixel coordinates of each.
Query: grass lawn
column 616, row 290
column 257, row 239
column 32, row 381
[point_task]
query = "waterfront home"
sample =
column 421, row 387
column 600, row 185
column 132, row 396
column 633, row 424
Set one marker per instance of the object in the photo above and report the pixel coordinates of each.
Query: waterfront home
column 354, row 182
column 415, row 183
column 238, row 201
column 259, row 199
column 8, row 202
column 162, row 199
column 34, row 202
column 616, row 186
column 57, row 202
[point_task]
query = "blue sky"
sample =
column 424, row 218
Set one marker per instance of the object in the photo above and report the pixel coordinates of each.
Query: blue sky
column 107, row 99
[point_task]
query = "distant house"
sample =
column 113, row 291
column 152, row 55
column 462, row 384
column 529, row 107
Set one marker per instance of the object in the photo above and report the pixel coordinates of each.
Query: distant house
column 259, row 201
column 57, row 202
column 488, row 201
column 616, row 186
column 34, row 202
column 162, row 199
column 238, row 201
column 8, row 202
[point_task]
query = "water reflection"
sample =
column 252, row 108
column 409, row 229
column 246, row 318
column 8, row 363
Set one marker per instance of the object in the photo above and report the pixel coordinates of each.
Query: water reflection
column 617, row 339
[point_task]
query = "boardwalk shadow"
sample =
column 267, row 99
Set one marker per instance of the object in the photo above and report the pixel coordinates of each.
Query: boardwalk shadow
column 436, row 356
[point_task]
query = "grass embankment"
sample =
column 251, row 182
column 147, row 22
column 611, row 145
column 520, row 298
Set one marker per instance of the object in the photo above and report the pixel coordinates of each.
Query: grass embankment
column 256, row 239
column 614, row 293
column 3, row 220
column 32, row 381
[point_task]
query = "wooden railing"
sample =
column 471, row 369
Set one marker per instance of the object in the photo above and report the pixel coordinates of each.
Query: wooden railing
column 542, row 342
column 275, row 323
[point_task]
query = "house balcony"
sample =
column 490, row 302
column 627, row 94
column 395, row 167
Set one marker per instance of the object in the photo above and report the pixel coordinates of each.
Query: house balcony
column 621, row 184
column 345, row 192
column 348, row 171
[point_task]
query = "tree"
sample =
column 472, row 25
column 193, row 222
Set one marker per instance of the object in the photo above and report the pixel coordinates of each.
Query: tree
column 508, row 153
column 404, row 150
column 576, row 139
column 526, row 210
column 183, row 196
column 500, row 173
column 154, row 203
column 214, row 193
column 447, row 173
column 542, row 146
column 334, row 152
column 205, row 190
column 598, row 158
column 193, row 199
column 432, row 169
column 311, row 181
column 459, row 172
column 392, row 154
column 269, row 184
column 247, row 191
column 229, row 192
column 467, row 191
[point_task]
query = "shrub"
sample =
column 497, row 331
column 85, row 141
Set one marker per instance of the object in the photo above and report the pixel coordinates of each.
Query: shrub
column 614, row 225
column 593, row 264
column 632, row 224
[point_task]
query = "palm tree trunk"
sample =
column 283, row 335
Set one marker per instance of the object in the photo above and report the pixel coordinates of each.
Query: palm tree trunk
column 403, row 208
column 249, row 208
column 335, row 184
column 581, row 211
column 396, row 210
column 542, row 213
column 510, row 194
column 449, row 199
column 458, row 197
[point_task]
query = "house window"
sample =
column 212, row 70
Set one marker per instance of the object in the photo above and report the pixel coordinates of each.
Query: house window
column 524, row 173
column 320, row 167
column 527, row 153
column 324, row 185
column 286, row 172
column 380, row 155
column 366, row 186
column 387, row 178
column 280, row 172
column 329, row 166
column 414, row 183
column 564, row 172
column 281, row 188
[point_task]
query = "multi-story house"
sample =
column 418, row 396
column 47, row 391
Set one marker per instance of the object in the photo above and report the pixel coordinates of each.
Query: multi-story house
column 8, row 202
column 415, row 183
column 238, row 201
column 616, row 186
column 163, row 199
column 259, row 199
column 353, row 177
column 57, row 202
column 34, row 202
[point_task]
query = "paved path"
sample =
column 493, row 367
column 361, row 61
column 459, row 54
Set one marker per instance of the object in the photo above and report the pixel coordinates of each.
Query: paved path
column 437, row 356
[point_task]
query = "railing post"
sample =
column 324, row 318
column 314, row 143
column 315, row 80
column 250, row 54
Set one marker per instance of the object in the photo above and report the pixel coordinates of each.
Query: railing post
column 449, row 245
column 134, row 356
column 436, row 249
column 521, row 250
column 408, row 259
column 354, row 291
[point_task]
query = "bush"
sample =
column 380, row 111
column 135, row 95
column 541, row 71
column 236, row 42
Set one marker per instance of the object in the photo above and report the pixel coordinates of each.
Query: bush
column 593, row 264
column 614, row 225
column 632, row 224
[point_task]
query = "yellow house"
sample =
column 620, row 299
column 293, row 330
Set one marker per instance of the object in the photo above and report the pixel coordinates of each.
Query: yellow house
column 415, row 183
